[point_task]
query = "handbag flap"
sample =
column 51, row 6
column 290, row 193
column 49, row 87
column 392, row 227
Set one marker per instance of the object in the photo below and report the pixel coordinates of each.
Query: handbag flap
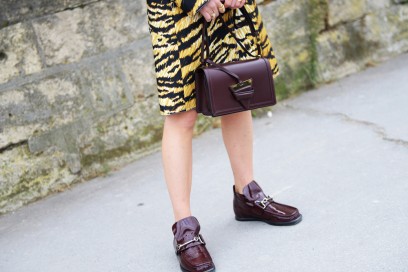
column 219, row 97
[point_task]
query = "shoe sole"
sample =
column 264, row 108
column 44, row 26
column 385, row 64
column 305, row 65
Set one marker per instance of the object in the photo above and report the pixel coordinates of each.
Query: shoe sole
column 184, row 270
column 289, row 223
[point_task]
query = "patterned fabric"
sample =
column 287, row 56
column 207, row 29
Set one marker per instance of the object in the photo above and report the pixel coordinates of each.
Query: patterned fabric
column 175, row 31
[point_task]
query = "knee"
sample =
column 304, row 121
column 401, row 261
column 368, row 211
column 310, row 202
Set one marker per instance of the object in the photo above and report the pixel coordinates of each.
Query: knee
column 183, row 120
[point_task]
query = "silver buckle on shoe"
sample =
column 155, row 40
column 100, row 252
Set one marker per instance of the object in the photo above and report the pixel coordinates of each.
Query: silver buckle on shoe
column 195, row 239
column 264, row 202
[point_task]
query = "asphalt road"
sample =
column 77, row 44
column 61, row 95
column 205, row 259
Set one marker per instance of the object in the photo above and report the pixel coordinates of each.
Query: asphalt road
column 338, row 153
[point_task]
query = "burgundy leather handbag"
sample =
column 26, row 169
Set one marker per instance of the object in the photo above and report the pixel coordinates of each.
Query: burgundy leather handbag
column 231, row 87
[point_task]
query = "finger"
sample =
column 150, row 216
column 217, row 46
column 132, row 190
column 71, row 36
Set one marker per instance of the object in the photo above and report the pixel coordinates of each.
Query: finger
column 217, row 12
column 221, row 8
column 207, row 16
column 233, row 3
column 214, row 14
column 205, row 12
column 214, row 9
column 217, row 2
column 209, row 10
column 227, row 3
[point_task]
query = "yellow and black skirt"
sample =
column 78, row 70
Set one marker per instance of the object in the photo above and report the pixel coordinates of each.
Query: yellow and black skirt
column 175, row 31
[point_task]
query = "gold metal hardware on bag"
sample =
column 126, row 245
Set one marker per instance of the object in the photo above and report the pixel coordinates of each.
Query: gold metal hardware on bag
column 241, row 84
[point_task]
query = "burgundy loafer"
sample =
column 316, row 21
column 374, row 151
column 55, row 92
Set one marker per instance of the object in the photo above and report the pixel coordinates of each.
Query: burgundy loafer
column 190, row 247
column 254, row 205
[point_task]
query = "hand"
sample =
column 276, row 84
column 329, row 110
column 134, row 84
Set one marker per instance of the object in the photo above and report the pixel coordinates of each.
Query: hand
column 212, row 9
column 234, row 3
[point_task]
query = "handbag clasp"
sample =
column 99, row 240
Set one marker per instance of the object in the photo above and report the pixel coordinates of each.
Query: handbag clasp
column 241, row 85
column 243, row 92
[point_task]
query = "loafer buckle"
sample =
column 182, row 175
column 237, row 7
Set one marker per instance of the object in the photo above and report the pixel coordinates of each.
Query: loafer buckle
column 197, row 238
column 264, row 202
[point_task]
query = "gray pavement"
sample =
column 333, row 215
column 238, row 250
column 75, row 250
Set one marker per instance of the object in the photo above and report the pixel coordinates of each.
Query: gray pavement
column 339, row 153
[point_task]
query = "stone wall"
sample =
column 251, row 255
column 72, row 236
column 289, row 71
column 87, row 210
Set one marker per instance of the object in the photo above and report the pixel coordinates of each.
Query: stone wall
column 318, row 41
column 77, row 83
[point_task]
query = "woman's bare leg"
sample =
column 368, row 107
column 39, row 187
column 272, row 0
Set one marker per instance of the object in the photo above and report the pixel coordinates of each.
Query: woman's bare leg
column 237, row 136
column 177, row 160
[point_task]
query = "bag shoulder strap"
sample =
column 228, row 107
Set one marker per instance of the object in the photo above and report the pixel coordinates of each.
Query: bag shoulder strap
column 206, row 42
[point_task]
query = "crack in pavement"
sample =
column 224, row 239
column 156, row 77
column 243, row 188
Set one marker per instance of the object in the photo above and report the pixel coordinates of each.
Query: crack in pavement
column 373, row 126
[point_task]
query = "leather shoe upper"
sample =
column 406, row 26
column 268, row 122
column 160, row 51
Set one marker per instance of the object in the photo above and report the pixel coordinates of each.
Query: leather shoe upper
column 253, row 203
column 190, row 246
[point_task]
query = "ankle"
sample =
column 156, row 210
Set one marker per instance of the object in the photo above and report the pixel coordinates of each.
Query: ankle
column 239, row 186
column 238, row 189
column 181, row 215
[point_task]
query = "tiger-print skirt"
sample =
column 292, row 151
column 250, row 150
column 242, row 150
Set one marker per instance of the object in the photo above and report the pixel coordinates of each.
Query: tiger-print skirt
column 176, row 41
